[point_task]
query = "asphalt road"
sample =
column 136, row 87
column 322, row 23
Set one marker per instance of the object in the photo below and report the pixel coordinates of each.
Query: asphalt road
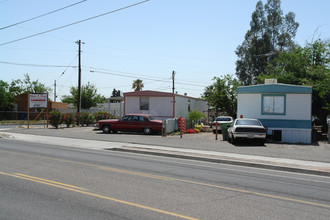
column 53, row 182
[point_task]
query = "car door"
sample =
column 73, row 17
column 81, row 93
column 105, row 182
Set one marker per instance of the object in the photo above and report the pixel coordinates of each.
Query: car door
column 124, row 123
column 136, row 123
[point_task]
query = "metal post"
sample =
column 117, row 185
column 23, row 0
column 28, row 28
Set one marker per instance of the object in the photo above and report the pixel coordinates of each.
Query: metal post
column 216, row 130
column 28, row 116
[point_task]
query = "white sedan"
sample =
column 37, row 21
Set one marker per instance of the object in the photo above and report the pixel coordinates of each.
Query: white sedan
column 216, row 125
column 246, row 128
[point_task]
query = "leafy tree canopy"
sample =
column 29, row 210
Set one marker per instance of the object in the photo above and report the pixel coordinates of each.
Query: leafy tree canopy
column 6, row 97
column 89, row 96
column 222, row 94
column 19, row 86
column 115, row 93
column 270, row 33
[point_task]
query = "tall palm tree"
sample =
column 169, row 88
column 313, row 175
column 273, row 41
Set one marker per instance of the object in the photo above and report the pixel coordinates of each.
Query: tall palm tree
column 137, row 85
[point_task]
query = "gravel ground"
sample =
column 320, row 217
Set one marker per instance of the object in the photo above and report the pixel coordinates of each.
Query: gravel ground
column 203, row 141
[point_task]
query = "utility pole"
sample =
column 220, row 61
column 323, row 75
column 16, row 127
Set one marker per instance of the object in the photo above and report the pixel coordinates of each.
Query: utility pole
column 173, row 74
column 54, row 90
column 79, row 76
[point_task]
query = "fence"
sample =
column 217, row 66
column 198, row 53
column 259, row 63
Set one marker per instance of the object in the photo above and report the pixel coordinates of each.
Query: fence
column 171, row 125
column 21, row 115
column 115, row 113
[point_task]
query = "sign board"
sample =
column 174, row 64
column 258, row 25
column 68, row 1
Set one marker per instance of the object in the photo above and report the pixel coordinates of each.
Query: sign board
column 38, row 100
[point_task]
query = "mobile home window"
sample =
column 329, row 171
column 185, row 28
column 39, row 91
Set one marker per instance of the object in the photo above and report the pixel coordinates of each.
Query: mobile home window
column 144, row 103
column 189, row 105
column 273, row 104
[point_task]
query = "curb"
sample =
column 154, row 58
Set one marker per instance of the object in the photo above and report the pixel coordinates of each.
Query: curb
column 221, row 160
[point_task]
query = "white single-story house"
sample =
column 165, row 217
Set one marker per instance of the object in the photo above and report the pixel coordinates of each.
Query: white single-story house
column 285, row 110
column 162, row 105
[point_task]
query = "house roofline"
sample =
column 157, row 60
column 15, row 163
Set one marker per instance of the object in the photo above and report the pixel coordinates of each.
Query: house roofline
column 150, row 93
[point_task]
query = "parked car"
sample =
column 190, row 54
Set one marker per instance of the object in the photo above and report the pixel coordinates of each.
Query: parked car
column 245, row 128
column 219, row 121
column 131, row 122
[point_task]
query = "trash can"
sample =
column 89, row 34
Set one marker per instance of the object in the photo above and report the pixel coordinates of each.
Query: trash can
column 224, row 128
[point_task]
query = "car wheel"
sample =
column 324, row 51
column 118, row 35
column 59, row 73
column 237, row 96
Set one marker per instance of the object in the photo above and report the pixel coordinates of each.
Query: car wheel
column 262, row 142
column 106, row 129
column 147, row 130
column 214, row 131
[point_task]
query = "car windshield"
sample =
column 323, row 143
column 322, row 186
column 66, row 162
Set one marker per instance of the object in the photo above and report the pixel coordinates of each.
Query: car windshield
column 223, row 119
column 248, row 122
column 151, row 118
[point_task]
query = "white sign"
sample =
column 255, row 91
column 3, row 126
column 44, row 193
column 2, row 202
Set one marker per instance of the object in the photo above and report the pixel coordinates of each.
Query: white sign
column 38, row 100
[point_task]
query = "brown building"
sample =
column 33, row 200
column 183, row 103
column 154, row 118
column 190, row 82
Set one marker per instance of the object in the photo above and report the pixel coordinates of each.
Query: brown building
column 21, row 107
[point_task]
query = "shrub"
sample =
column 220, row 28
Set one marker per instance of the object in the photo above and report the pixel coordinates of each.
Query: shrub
column 68, row 119
column 102, row 115
column 55, row 118
column 84, row 119
column 194, row 116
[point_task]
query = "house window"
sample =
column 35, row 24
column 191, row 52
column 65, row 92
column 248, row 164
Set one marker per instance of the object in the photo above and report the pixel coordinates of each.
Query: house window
column 189, row 108
column 144, row 103
column 273, row 104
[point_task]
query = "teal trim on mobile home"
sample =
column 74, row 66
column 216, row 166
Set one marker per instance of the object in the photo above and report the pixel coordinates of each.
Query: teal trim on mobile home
column 285, row 123
column 274, row 88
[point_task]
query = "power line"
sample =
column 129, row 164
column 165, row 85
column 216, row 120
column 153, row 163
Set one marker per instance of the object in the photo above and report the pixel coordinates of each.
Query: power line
column 67, row 67
column 36, row 65
column 74, row 23
column 129, row 76
column 95, row 69
column 146, row 78
column 21, row 22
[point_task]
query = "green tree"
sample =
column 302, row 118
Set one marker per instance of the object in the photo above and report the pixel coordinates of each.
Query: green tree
column 89, row 96
column 270, row 33
column 309, row 65
column 137, row 85
column 6, row 97
column 222, row 94
column 19, row 86
column 115, row 93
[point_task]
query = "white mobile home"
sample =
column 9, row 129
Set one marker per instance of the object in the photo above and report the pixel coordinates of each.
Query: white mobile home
column 285, row 110
column 162, row 105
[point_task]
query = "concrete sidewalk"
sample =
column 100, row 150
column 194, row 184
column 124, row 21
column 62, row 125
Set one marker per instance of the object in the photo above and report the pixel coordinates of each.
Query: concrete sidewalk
column 293, row 165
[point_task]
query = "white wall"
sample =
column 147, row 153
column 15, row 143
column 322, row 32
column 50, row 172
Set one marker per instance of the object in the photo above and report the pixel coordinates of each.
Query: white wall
column 181, row 106
column 202, row 106
column 297, row 136
column 163, row 106
column 298, row 107
column 158, row 106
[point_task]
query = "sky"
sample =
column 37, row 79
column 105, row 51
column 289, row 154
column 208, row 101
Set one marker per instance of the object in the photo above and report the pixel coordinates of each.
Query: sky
column 196, row 39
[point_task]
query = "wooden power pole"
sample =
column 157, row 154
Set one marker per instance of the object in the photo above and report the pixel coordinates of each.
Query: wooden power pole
column 79, row 76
